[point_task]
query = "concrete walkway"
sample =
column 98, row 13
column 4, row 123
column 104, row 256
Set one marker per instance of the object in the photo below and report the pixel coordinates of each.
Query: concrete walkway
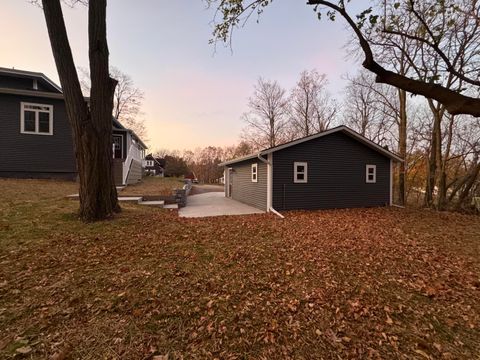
column 215, row 204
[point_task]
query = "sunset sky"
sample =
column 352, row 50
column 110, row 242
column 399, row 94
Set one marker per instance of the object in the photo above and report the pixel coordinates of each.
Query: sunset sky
column 191, row 89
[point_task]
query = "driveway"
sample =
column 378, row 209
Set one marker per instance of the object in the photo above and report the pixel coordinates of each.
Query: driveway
column 215, row 204
column 204, row 188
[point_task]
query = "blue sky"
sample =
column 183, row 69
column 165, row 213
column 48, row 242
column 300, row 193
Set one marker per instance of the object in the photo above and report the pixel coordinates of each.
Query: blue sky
column 191, row 88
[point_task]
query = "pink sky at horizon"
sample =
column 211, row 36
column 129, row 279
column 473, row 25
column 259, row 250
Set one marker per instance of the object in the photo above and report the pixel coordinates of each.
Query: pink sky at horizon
column 189, row 88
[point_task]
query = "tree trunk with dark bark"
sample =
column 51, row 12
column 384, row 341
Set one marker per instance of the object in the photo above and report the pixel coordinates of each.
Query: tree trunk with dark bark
column 470, row 181
column 432, row 163
column 91, row 127
column 402, row 144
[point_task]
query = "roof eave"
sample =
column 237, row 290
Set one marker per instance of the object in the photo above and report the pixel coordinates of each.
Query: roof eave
column 137, row 138
column 342, row 128
column 31, row 74
column 237, row 160
column 34, row 93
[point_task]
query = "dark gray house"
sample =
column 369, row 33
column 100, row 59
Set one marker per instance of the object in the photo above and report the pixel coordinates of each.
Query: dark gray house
column 337, row 168
column 35, row 135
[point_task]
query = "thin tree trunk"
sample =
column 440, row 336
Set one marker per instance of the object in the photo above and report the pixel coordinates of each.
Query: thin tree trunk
column 431, row 169
column 272, row 132
column 435, row 158
column 402, row 144
column 442, row 180
column 91, row 128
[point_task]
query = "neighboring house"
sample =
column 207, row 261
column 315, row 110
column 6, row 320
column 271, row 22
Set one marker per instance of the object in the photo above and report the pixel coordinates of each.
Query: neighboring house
column 128, row 155
column 191, row 176
column 154, row 165
column 36, row 138
column 337, row 168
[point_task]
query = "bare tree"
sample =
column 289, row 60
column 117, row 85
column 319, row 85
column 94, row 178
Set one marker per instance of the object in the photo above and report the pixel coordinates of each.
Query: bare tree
column 311, row 108
column 127, row 100
column 91, row 125
column 432, row 19
column 266, row 119
column 370, row 109
column 161, row 153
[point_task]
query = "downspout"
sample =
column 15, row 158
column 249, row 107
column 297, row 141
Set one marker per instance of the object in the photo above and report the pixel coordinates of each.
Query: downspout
column 269, row 163
column 262, row 159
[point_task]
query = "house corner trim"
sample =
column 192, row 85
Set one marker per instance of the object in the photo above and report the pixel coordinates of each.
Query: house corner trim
column 270, row 182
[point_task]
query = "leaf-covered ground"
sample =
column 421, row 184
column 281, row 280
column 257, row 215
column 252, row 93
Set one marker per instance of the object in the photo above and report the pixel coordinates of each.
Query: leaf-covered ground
column 361, row 283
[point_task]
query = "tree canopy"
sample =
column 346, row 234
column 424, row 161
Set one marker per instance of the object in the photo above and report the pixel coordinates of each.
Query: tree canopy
column 432, row 25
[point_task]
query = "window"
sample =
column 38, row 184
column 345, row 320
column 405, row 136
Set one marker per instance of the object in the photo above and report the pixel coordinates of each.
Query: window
column 254, row 172
column 36, row 119
column 299, row 172
column 371, row 174
column 148, row 162
column 117, row 146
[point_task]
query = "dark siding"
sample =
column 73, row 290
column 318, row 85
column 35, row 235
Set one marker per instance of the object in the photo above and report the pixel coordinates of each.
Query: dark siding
column 10, row 82
column 25, row 155
column 336, row 175
column 246, row 191
column 25, row 83
column 118, row 171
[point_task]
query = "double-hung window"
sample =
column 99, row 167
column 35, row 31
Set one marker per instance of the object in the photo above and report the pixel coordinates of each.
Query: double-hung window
column 255, row 172
column 36, row 119
column 371, row 174
column 300, row 172
column 149, row 162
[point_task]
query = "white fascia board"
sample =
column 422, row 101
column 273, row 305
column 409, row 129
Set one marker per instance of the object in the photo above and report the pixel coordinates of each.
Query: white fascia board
column 30, row 74
column 237, row 160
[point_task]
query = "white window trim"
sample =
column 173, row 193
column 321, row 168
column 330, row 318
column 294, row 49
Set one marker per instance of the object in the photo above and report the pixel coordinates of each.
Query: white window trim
column 22, row 118
column 254, row 174
column 121, row 145
column 367, row 168
column 295, row 172
column 149, row 163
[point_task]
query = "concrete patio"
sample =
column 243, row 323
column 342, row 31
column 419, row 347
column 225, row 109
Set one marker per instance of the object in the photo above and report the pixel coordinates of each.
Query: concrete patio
column 215, row 204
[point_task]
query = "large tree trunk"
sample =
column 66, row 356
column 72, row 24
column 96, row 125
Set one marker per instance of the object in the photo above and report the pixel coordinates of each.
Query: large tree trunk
column 91, row 128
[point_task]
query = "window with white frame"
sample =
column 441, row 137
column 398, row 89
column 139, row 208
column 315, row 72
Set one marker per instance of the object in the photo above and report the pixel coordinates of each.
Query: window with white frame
column 36, row 119
column 148, row 162
column 371, row 174
column 300, row 172
column 255, row 172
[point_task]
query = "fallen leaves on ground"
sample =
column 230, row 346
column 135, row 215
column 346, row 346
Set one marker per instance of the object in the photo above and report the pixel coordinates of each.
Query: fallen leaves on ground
column 358, row 283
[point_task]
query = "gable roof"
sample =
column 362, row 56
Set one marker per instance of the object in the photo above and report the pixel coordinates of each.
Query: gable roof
column 57, row 93
column 344, row 129
column 32, row 75
column 160, row 161
column 117, row 126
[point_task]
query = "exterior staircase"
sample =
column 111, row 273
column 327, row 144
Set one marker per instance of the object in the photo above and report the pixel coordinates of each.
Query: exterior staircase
column 139, row 200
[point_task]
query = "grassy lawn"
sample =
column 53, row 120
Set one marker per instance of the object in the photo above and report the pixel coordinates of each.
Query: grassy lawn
column 151, row 186
column 364, row 283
